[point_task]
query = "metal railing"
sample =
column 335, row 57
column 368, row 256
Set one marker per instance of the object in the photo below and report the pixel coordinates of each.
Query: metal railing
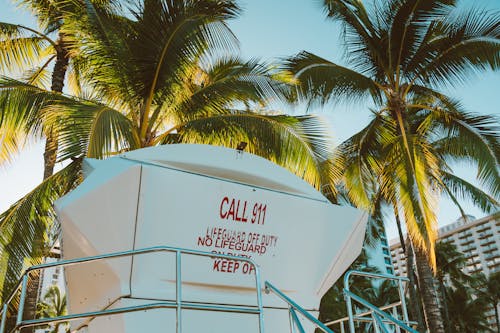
column 178, row 304
column 293, row 308
column 362, row 316
column 379, row 318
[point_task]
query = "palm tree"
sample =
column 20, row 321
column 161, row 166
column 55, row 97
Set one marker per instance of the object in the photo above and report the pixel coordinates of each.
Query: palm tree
column 39, row 55
column 402, row 52
column 450, row 271
column 53, row 305
column 467, row 314
column 162, row 73
column 488, row 289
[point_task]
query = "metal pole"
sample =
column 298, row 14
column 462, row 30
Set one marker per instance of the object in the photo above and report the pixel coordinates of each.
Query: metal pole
column 342, row 329
column 292, row 328
column 178, row 290
column 296, row 321
column 375, row 323
column 22, row 300
column 403, row 302
column 259, row 297
column 296, row 307
column 349, row 312
column 395, row 313
column 4, row 318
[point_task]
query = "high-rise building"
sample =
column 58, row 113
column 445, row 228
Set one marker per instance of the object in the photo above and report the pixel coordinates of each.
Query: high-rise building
column 477, row 239
column 379, row 255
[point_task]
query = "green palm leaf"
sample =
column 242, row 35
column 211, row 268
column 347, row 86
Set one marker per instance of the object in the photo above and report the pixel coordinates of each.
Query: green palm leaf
column 21, row 47
column 321, row 80
column 20, row 114
column 86, row 128
column 299, row 144
column 25, row 239
column 462, row 44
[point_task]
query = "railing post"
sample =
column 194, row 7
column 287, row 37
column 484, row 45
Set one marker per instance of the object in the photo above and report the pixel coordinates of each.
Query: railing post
column 292, row 329
column 403, row 302
column 4, row 317
column 296, row 320
column 395, row 314
column 178, row 290
column 259, row 298
column 375, row 323
column 342, row 329
column 380, row 323
column 22, row 299
column 349, row 312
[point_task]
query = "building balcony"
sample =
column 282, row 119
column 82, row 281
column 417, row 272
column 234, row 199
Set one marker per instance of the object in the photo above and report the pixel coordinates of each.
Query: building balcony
column 489, row 256
column 493, row 265
column 468, row 234
column 467, row 242
column 490, row 249
column 469, row 249
column 483, row 235
column 483, row 228
column 487, row 242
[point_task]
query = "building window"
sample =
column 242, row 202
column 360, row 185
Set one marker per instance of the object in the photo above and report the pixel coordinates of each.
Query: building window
column 389, row 270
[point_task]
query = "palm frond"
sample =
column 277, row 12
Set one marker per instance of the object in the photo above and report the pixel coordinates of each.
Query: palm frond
column 321, row 81
column 361, row 36
column 409, row 27
column 469, row 137
column 20, row 114
column 25, row 226
column 86, row 128
column 39, row 76
column 21, row 47
column 227, row 82
column 299, row 144
column 463, row 44
column 467, row 191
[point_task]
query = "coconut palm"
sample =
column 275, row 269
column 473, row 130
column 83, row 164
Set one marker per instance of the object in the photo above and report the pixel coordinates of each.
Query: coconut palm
column 40, row 56
column 450, row 272
column 467, row 314
column 53, row 305
column 401, row 53
column 163, row 72
column 488, row 289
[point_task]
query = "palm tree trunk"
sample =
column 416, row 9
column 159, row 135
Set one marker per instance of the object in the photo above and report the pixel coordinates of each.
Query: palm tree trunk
column 415, row 306
column 58, row 75
column 428, row 292
column 398, row 224
column 444, row 305
column 495, row 306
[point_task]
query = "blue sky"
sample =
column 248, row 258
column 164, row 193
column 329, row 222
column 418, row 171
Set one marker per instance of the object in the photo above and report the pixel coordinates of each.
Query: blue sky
column 271, row 29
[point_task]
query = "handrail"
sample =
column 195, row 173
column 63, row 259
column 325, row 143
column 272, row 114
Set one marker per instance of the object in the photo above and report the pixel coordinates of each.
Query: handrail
column 178, row 304
column 379, row 312
column 294, row 306
column 374, row 311
column 385, row 307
